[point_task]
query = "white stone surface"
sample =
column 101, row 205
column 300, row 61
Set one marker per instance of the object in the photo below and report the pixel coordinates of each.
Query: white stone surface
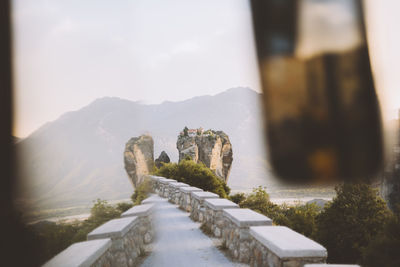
column 153, row 199
column 246, row 217
column 180, row 243
column 190, row 189
column 156, row 178
column 286, row 243
column 113, row 228
column 80, row 254
column 178, row 184
column 167, row 181
column 139, row 210
column 219, row 203
column 203, row 195
column 330, row 265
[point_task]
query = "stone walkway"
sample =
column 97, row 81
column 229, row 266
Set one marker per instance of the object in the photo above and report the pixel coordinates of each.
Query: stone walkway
column 180, row 242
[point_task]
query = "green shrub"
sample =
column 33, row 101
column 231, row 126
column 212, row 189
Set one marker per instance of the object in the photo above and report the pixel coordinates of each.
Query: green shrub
column 348, row 224
column 300, row 218
column 384, row 250
column 142, row 191
column 237, row 198
column 194, row 174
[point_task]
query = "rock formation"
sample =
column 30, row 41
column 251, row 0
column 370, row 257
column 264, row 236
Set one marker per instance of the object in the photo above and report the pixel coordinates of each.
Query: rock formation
column 139, row 158
column 162, row 158
column 213, row 148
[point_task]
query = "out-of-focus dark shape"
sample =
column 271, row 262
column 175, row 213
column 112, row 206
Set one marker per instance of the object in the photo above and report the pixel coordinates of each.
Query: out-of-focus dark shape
column 17, row 248
column 321, row 110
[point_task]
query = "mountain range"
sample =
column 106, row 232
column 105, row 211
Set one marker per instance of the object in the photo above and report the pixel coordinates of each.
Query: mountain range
column 79, row 157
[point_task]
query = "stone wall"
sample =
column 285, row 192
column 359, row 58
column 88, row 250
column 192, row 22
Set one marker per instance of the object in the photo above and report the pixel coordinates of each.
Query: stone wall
column 118, row 242
column 249, row 237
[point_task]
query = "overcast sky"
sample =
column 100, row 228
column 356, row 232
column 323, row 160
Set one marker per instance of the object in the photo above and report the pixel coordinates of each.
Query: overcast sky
column 70, row 52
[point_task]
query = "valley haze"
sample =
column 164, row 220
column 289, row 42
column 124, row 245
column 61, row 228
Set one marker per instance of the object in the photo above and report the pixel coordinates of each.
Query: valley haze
column 78, row 158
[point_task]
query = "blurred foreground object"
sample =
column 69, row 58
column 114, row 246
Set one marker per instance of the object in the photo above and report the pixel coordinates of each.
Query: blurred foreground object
column 321, row 110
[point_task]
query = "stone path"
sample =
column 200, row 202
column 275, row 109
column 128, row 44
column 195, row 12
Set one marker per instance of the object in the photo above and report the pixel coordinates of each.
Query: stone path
column 180, row 242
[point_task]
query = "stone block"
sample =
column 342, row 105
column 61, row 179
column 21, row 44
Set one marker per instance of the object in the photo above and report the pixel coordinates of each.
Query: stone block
column 246, row 217
column 201, row 195
column 139, row 210
column 286, row 243
column 116, row 228
column 80, row 254
column 219, row 203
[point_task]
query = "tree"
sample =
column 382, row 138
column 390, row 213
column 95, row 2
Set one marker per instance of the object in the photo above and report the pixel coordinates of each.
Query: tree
column 194, row 174
column 384, row 250
column 185, row 131
column 348, row 224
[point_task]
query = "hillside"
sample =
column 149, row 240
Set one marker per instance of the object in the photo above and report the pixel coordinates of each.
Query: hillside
column 79, row 157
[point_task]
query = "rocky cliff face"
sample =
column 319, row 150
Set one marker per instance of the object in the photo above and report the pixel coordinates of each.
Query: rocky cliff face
column 163, row 158
column 213, row 148
column 139, row 158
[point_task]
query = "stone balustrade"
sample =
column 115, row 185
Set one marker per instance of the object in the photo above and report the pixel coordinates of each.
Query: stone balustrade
column 156, row 183
column 126, row 235
column 214, row 220
column 118, row 242
column 174, row 192
column 144, row 212
column 279, row 246
column 236, row 233
column 164, row 187
column 185, row 197
column 197, row 208
column 248, row 236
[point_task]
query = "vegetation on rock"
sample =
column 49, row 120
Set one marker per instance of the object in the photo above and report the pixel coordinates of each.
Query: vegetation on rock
column 194, row 174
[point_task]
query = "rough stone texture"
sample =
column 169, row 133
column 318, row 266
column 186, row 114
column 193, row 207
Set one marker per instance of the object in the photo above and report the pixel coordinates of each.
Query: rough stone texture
column 163, row 158
column 213, row 149
column 139, row 158
column 197, row 208
column 185, row 197
column 163, row 190
column 213, row 217
column 174, row 192
column 282, row 247
column 128, row 237
column 235, row 233
column 88, row 253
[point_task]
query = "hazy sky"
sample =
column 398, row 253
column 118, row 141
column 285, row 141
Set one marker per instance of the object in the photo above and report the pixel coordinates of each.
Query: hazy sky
column 70, row 52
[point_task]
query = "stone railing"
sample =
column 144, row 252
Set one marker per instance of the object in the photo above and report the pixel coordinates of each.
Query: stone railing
column 118, row 242
column 249, row 237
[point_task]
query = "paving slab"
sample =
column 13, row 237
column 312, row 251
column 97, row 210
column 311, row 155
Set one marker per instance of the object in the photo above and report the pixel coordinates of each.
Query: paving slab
column 219, row 203
column 246, row 217
column 113, row 228
column 180, row 243
column 286, row 243
column 139, row 210
column 203, row 195
column 82, row 254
